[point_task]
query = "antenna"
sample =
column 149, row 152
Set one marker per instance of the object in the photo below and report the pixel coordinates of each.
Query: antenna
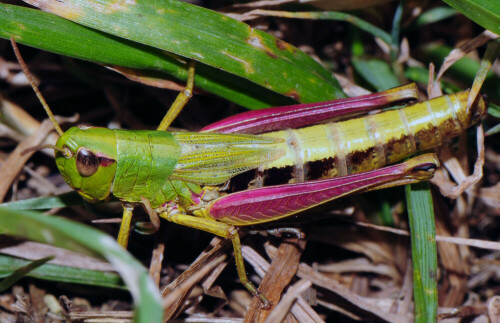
column 34, row 86
column 64, row 151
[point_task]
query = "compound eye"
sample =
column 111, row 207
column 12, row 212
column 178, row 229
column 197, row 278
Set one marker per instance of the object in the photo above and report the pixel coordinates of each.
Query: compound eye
column 87, row 162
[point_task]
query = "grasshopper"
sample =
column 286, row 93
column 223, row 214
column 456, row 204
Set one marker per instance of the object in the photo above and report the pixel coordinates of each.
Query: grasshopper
column 294, row 163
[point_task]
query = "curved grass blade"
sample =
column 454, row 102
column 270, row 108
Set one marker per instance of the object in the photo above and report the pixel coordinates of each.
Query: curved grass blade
column 74, row 236
column 424, row 251
column 463, row 70
column 433, row 15
column 45, row 203
column 21, row 271
column 208, row 37
column 52, row 33
column 65, row 274
column 329, row 15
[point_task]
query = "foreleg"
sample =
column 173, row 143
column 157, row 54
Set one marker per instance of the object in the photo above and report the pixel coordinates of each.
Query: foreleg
column 123, row 234
column 181, row 100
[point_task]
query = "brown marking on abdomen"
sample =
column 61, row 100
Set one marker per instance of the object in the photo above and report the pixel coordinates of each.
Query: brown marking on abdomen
column 358, row 161
column 396, row 149
column 319, row 169
column 278, row 176
column 427, row 138
column 450, row 128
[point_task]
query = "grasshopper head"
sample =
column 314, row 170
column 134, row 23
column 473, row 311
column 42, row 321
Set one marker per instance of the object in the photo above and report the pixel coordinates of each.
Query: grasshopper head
column 86, row 158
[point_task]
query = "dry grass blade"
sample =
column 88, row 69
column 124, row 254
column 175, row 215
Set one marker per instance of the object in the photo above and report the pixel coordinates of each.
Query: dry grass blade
column 281, row 310
column 34, row 250
column 490, row 196
column 304, row 312
column 306, row 272
column 452, row 293
column 370, row 244
column 147, row 79
column 183, row 284
column 17, row 159
column 483, row 244
column 494, row 309
column 279, row 275
column 446, row 187
column 172, row 299
column 156, row 263
column 465, row 48
column 301, row 309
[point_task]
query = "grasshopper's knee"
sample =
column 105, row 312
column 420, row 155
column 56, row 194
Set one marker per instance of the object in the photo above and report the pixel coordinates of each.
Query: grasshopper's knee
column 232, row 233
column 170, row 217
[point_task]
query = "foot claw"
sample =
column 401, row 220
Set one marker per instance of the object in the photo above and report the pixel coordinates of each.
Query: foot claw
column 265, row 304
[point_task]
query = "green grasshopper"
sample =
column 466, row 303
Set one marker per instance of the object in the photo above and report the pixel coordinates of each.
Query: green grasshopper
column 182, row 176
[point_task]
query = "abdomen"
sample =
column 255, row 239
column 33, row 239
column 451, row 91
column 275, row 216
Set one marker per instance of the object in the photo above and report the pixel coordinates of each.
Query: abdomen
column 364, row 143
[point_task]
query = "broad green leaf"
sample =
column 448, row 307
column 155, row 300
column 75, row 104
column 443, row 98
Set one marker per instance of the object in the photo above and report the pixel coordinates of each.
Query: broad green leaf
column 424, row 251
column 49, row 32
column 485, row 13
column 65, row 274
column 77, row 237
column 208, row 37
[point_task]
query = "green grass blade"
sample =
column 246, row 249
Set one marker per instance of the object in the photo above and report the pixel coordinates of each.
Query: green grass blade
column 396, row 30
column 493, row 130
column 49, row 32
column 45, row 203
column 376, row 72
column 21, row 271
column 433, row 15
column 65, row 274
column 77, row 237
column 424, row 251
column 494, row 110
column 485, row 13
column 421, row 75
column 208, row 37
